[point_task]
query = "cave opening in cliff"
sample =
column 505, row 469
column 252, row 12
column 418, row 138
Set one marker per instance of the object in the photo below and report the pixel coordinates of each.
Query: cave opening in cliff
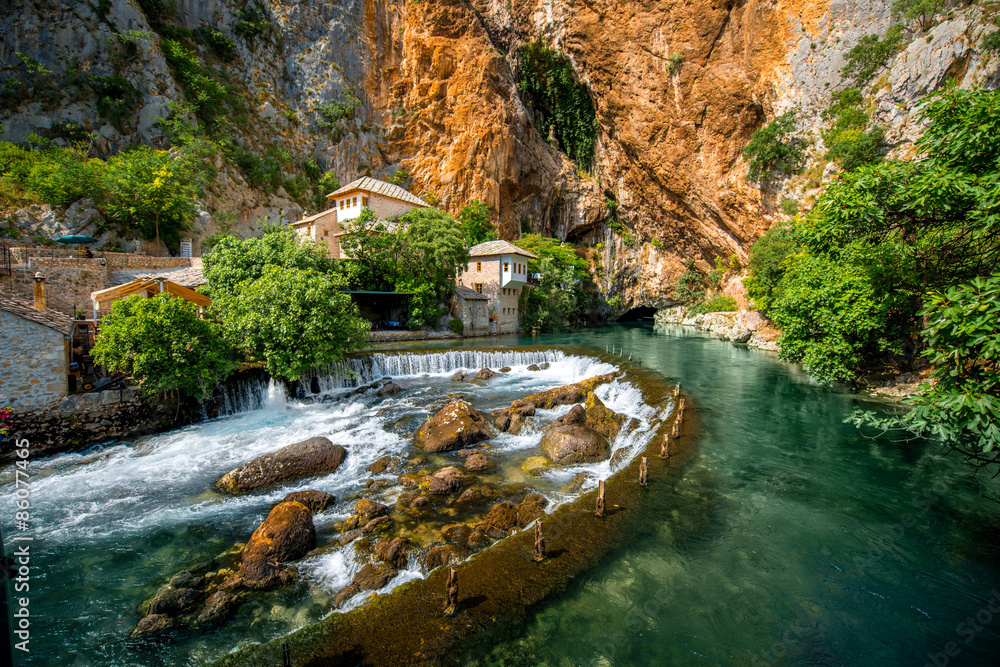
column 638, row 314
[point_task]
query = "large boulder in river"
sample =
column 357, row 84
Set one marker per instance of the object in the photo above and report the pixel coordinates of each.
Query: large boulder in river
column 484, row 374
column 455, row 426
column 315, row 501
column 602, row 418
column 315, row 456
column 544, row 400
column 575, row 443
column 287, row 534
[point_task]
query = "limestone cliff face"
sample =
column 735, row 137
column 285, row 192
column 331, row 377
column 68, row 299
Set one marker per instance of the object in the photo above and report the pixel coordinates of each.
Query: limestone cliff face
column 678, row 88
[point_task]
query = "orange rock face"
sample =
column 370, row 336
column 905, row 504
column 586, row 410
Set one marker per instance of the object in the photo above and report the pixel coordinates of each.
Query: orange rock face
column 669, row 140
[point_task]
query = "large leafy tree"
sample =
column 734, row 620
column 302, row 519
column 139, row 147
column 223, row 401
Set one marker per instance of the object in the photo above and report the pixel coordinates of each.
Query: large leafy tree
column 164, row 346
column 556, row 300
column 154, row 192
column 294, row 320
column 233, row 261
column 432, row 253
column 476, row 224
column 374, row 251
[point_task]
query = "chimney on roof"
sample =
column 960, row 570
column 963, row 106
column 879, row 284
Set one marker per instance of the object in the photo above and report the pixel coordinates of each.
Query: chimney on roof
column 39, row 291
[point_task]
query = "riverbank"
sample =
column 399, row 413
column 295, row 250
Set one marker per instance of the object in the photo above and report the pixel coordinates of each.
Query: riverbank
column 744, row 327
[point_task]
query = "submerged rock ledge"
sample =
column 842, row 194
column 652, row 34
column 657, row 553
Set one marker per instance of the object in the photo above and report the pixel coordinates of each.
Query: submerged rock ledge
column 497, row 586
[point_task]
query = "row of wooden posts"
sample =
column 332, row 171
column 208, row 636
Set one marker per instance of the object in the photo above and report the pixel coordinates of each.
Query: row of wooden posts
column 538, row 553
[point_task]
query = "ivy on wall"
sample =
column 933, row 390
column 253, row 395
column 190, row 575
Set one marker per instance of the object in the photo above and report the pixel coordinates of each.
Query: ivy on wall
column 548, row 85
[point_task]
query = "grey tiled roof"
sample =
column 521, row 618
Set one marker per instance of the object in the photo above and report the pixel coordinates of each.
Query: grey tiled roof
column 498, row 248
column 49, row 318
column 188, row 276
column 470, row 294
column 382, row 188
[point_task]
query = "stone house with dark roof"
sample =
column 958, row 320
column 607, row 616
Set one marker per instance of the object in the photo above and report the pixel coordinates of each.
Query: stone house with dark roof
column 473, row 309
column 498, row 270
column 35, row 346
column 384, row 199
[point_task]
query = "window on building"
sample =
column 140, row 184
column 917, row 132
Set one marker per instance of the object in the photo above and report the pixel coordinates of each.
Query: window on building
column 364, row 200
column 505, row 267
column 326, row 233
column 479, row 287
column 341, row 204
column 479, row 266
column 355, row 202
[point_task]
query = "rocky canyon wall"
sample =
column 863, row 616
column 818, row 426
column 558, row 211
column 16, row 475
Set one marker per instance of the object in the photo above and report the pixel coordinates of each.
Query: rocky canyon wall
column 678, row 89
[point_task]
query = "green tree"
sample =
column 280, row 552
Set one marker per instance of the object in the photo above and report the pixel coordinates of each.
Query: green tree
column 561, row 103
column 555, row 302
column 773, row 148
column 432, row 249
column 294, row 320
column 61, row 176
column 476, row 224
column 563, row 255
column 920, row 12
column 374, row 251
column 164, row 346
column 960, row 404
column 767, row 257
column 152, row 192
column 871, row 54
column 847, row 141
column 233, row 261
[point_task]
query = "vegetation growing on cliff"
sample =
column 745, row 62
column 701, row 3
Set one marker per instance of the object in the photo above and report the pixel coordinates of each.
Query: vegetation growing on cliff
column 889, row 243
column 476, row 224
column 774, row 148
column 559, row 298
column 549, row 85
column 848, row 142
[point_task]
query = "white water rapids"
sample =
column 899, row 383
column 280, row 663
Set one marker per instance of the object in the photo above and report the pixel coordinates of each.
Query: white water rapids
column 134, row 514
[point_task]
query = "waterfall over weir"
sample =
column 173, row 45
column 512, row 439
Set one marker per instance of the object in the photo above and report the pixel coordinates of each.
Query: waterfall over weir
column 254, row 393
column 364, row 369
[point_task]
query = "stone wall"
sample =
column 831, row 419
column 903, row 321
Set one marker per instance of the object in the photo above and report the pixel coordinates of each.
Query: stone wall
column 83, row 420
column 33, row 363
column 69, row 279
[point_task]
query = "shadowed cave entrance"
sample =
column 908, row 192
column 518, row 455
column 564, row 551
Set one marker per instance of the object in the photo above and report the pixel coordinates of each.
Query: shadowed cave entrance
column 638, row 314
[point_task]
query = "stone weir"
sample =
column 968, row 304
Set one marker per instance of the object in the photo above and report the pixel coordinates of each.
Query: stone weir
column 497, row 588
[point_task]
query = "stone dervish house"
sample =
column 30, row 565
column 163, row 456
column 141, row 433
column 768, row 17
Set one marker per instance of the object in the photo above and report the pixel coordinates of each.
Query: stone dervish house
column 498, row 270
column 35, row 358
column 384, row 199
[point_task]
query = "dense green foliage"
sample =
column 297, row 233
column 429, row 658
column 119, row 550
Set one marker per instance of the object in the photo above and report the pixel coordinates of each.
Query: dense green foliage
column 549, row 86
column 774, row 148
column 871, row 54
column 689, row 289
column 294, row 320
column 919, row 12
column 847, row 141
column 164, row 346
column 558, row 299
column 203, row 86
column 234, row 261
column 432, row 253
column 374, row 252
column 960, row 404
column 476, row 224
column 846, row 285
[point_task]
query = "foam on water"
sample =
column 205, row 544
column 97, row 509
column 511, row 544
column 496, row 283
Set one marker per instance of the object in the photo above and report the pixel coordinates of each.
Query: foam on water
column 145, row 500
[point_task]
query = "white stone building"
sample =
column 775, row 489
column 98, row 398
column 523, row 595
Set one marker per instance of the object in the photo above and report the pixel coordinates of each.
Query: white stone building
column 384, row 199
column 499, row 270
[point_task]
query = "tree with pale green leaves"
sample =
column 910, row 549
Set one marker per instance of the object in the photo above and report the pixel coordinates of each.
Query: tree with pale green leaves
column 163, row 345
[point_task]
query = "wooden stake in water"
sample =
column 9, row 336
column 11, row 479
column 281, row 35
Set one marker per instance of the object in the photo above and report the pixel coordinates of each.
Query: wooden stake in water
column 676, row 432
column 665, row 447
column 677, row 390
column 539, row 554
column 643, row 471
column 680, row 406
column 451, row 593
column 600, row 499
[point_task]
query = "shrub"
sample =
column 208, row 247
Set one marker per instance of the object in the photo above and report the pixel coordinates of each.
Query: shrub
column 476, row 224
column 772, row 149
column 789, row 206
column 919, row 11
column 767, row 256
column 207, row 95
column 158, row 12
column 223, row 47
column 62, row 176
column 688, row 289
column 253, row 22
column 718, row 303
column 871, row 54
column 332, row 115
column 117, row 98
column 456, row 325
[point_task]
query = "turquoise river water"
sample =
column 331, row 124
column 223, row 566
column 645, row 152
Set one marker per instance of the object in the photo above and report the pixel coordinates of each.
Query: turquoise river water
column 790, row 538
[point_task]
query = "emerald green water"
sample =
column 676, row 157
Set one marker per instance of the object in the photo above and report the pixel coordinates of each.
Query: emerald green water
column 792, row 538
